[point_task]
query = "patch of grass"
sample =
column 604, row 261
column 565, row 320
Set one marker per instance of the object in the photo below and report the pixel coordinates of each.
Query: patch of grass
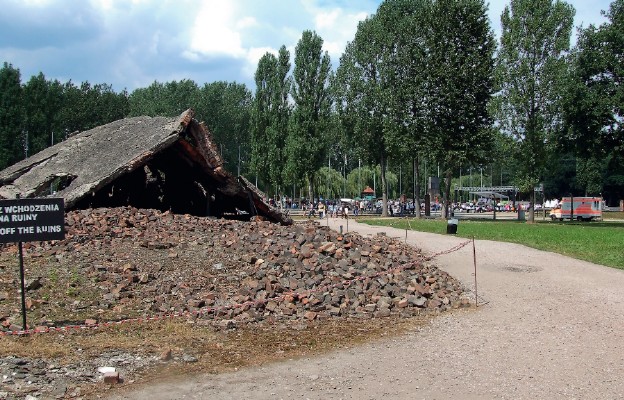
column 596, row 242
column 255, row 343
column 613, row 215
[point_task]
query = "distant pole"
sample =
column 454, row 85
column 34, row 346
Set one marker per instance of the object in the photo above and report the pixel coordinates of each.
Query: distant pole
column 344, row 181
column 25, row 144
column 416, row 195
column 460, row 185
column 344, row 187
column 494, row 205
column 51, row 183
column 328, row 174
column 460, row 178
column 474, row 258
column 426, row 175
column 360, row 175
column 470, row 184
column 400, row 179
column 374, row 182
column 481, row 168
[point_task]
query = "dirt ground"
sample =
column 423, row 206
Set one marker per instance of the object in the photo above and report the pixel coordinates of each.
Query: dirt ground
column 547, row 327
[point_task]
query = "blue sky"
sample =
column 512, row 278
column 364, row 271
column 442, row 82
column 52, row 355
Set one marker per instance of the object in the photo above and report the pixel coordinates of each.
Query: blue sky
column 132, row 43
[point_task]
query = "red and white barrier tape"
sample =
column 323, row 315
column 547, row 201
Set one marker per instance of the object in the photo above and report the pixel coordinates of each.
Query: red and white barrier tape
column 451, row 250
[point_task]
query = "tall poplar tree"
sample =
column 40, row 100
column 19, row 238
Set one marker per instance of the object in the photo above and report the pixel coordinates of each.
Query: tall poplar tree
column 11, row 115
column 278, row 135
column 269, row 118
column 307, row 142
column 530, row 72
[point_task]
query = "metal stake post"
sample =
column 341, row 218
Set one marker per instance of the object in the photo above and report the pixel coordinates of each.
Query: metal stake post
column 474, row 257
column 21, row 262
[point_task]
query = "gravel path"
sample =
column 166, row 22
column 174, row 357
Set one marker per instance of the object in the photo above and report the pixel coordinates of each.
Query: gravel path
column 548, row 327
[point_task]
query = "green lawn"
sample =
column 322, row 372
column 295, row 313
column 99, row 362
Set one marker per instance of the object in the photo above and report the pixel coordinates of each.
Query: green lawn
column 597, row 242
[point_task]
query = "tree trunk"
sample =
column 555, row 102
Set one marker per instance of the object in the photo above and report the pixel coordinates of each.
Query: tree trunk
column 310, row 189
column 445, row 196
column 416, row 188
column 384, row 187
column 532, row 209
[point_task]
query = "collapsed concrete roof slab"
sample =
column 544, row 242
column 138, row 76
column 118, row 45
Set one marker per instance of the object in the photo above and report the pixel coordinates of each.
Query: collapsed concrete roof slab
column 146, row 162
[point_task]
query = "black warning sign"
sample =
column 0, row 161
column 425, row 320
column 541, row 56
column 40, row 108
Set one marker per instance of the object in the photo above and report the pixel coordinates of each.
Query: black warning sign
column 32, row 220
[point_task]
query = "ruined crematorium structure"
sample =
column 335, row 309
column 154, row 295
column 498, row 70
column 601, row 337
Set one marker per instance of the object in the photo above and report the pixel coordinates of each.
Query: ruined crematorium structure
column 145, row 162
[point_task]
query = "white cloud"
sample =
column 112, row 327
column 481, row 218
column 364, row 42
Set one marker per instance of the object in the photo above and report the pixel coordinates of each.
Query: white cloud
column 214, row 31
column 191, row 56
column 155, row 42
column 104, row 5
column 247, row 22
column 337, row 25
column 326, row 19
column 37, row 3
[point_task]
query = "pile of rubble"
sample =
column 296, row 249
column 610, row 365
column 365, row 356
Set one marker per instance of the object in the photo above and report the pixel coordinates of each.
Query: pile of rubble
column 124, row 262
column 119, row 263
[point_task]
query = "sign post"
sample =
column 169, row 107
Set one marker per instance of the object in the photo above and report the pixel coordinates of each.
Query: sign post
column 23, row 290
column 31, row 220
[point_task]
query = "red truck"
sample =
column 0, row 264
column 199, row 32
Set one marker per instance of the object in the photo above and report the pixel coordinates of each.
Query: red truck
column 584, row 209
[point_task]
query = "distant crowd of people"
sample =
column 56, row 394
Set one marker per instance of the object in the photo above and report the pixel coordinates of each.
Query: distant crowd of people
column 332, row 209
column 341, row 208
